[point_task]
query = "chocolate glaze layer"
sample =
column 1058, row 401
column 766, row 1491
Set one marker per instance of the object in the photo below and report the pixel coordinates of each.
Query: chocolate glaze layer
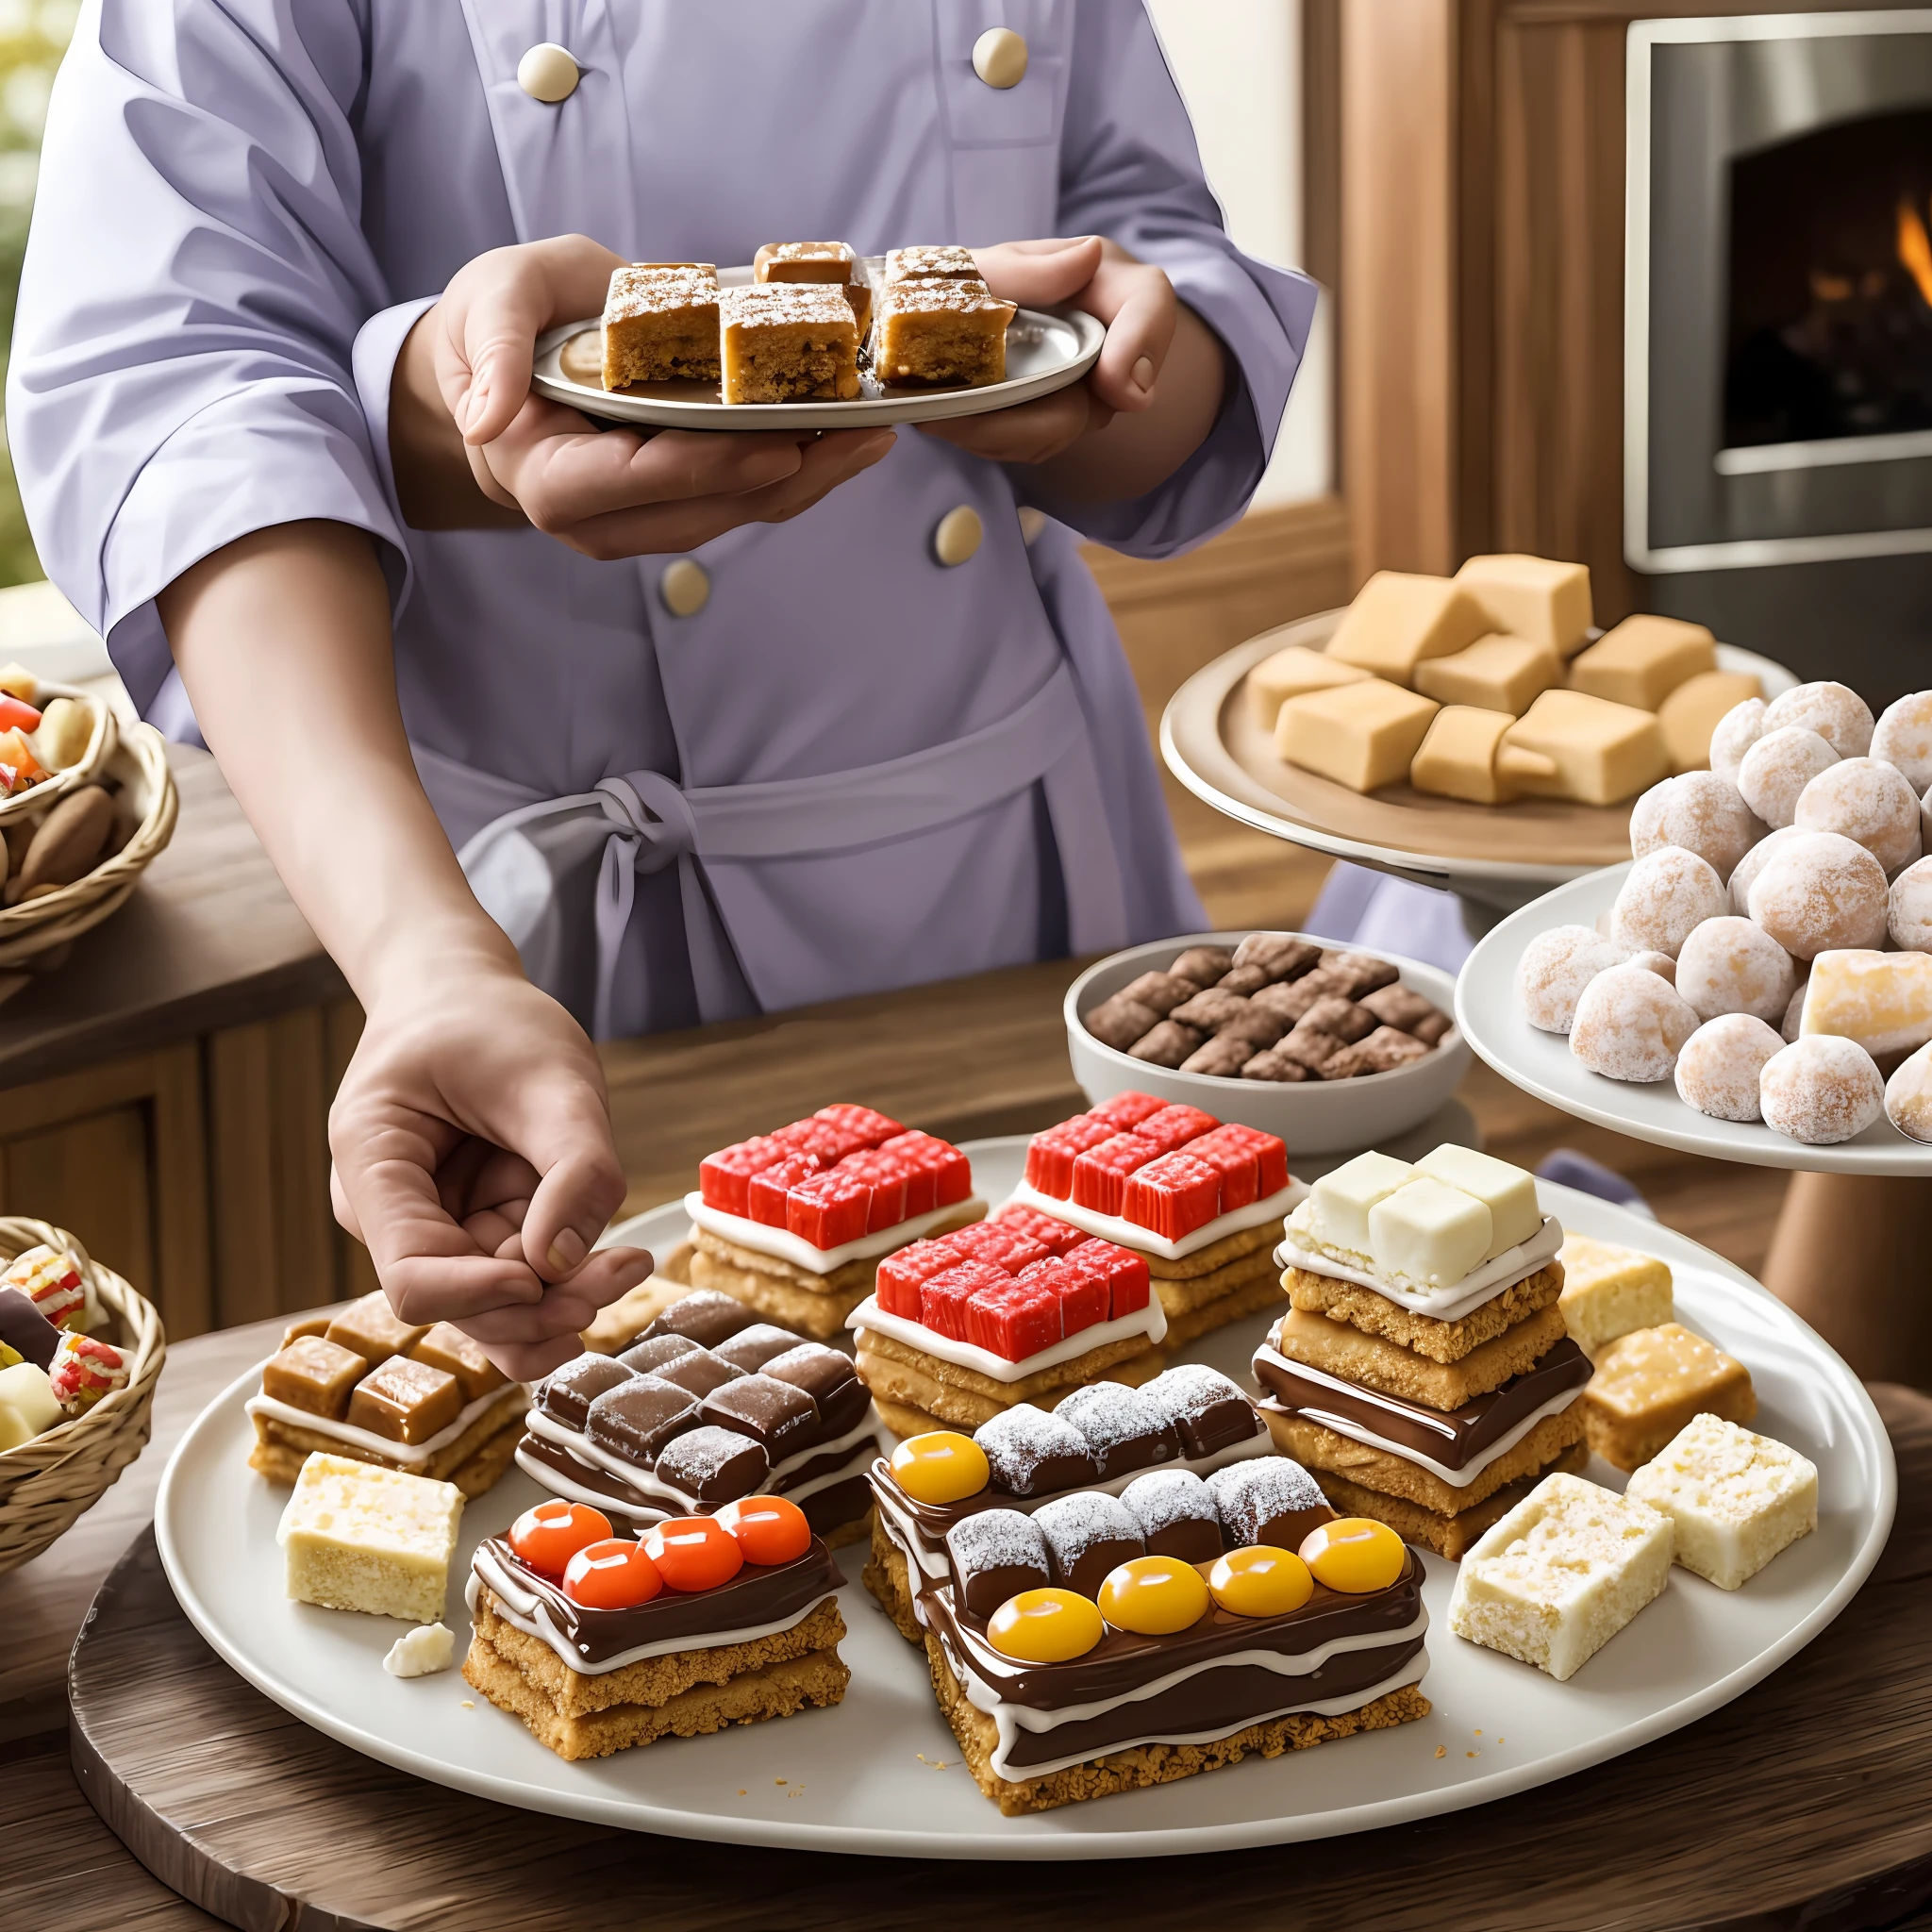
column 1453, row 1438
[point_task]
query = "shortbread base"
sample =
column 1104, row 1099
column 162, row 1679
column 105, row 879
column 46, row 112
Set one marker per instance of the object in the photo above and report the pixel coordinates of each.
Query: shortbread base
column 1449, row 1536
column 1442, row 1341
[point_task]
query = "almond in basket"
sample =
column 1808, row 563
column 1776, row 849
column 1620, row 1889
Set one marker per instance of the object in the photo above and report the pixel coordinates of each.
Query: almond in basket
column 66, row 844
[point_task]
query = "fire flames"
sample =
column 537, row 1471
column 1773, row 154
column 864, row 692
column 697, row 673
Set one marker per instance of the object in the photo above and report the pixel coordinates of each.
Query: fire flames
column 1915, row 249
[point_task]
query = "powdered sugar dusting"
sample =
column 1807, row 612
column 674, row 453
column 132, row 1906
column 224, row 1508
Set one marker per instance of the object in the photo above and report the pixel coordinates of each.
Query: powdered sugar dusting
column 1249, row 1494
column 1108, row 1415
column 1020, row 1438
column 995, row 1539
column 1187, row 1389
column 699, row 1456
column 1074, row 1524
column 1168, row 1496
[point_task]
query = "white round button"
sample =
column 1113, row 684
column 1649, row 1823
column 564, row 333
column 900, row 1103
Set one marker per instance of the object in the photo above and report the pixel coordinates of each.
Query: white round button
column 957, row 536
column 548, row 74
column 999, row 57
column 685, row 587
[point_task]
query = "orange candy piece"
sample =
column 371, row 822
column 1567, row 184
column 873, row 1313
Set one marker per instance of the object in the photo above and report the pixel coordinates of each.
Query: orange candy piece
column 547, row 1537
column 694, row 1552
column 614, row 1576
column 1353, row 1553
column 769, row 1529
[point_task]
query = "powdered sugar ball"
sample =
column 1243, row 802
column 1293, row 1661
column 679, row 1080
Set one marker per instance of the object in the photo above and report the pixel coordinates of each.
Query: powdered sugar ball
column 1820, row 893
column 1867, row 801
column 1630, row 1025
column 1835, row 712
column 1778, row 767
column 1794, row 1013
column 1660, row 963
column 1909, row 908
column 1730, row 965
column 1718, row 1069
column 1663, row 896
column 1736, row 732
column 1821, row 1089
column 1908, row 1095
column 1555, row 967
column 1753, row 862
column 1903, row 738
column 1701, row 812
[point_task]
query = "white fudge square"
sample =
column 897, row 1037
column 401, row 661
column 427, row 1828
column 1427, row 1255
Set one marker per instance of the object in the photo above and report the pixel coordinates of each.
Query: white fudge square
column 358, row 1536
column 1738, row 1498
column 1339, row 1203
column 1507, row 1192
column 1610, row 1292
column 1559, row 1575
column 1428, row 1234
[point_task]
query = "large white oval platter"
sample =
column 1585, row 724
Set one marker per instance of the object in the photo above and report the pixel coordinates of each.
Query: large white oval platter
column 1541, row 1063
column 881, row 1774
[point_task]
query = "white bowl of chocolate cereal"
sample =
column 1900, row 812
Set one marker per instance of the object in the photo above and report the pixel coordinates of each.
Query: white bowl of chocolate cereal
column 1331, row 1048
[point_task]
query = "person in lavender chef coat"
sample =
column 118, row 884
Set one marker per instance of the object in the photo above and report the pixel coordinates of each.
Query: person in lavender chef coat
column 718, row 725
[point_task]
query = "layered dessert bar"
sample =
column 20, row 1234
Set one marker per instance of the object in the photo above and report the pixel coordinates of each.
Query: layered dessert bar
column 787, row 342
column 1199, row 1202
column 708, row 1407
column 1424, row 1372
column 660, row 323
column 833, row 262
column 364, row 1383
column 795, row 1223
column 600, row 1643
column 1737, row 1498
column 943, row 262
column 1180, row 1430
column 355, row 1535
column 939, row 331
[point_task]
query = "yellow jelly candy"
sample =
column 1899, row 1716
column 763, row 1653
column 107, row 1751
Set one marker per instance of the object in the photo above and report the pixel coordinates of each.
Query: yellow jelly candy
column 1045, row 1626
column 1154, row 1596
column 1353, row 1553
column 1260, row 1581
column 941, row 1466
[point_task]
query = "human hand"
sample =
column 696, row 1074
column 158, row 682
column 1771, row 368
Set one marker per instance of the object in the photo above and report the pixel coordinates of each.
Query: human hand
column 473, row 1155
column 461, row 403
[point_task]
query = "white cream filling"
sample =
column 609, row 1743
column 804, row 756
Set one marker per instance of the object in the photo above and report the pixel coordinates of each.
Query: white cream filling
column 1357, row 1432
column 524, row 1610
column 1150, row 1322
column 1130, row 1234
column 1302, row 1249
column 786, row 1246
column 368, row 1440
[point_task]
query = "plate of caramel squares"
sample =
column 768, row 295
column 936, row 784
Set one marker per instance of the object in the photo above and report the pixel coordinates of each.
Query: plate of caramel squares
column 812, row 334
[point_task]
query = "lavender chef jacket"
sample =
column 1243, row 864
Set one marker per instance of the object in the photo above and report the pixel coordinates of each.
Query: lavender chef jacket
column 853, row 768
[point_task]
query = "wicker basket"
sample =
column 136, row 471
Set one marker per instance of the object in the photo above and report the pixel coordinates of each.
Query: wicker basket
column 100, row 744
column 45, row 1484
column 138, row 763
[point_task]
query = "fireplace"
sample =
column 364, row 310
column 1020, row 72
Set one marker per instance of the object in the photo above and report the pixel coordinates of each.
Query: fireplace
column 1778, row 335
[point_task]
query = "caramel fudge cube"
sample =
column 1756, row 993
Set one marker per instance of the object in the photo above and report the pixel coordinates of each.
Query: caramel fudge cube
column 1737, row 1498
column 660, row 324
column 446, row 1347
column 1289, row 673
column 313, row 1375
column 1532, row 597
column 1688, row 716
column 1363, row 736
column 1649, row 1383
column 788, row 342
column 1466, row 756
column 936, row 330
column 1610, row 1291
column 371, row 1329
column 1603, row 752
column 1398, row 620
column 1495, row 673
column 805, row 262
column 1644, row 660
column 946, row 264
column 407, row 1401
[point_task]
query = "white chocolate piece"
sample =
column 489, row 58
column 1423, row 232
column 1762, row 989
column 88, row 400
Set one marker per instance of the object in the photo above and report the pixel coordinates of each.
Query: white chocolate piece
column 1604, row 753
column 1363, row 736
column 1340, row 1202
column 1777, row 769
column 1736, row 1497
column 1665, row 895
column 1495, row 673
column 1289, row 673
column 1734, row 734
column 1506, row 1190
column 1819, row 895
column 1660, row 963
column 1691, row 715
column 28, row 1406
column 1909, row 1096
column 1644, row 660
column 65, row 731
column 1732, row 965
column 359, row 1537
column 1701, row 812
column 1720, row 1071
column 422, row 1652
column 1555, row 967
column 1561, row 1573
column 1864, row 800
column 1752, row 862
column 1835, row 712
column 1909, row 907
column 1903, row 738
column 1466, row 756
column 1430, row 1233
column 1610, row 1291
column 1630, row 1025
column 1821, row 1089
column 1532, row 597
column 1398, row 620
column 1882, row 1000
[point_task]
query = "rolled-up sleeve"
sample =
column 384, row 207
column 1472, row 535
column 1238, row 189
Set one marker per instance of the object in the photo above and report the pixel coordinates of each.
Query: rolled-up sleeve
column 1130, row 170
column 195, row 279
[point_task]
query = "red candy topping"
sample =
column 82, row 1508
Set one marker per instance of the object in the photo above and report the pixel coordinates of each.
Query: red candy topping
column 765, row 1191
column 615, row 1575
column 769, row 1529
column 723, row 1176
column 828, row 1209
column 886, row 1175
column 1271, row 1153
column 902, row 1274
column 547, row 1537
column 1013, row 1318
column 1239, row 1168
column 1050, row 1156
column 1129, row 1280
column 1174, row 1126
column 1082, row 1291
column 1100, row 1174
column 997, row 1241
column 693, row 1553
column 943, row 1299
column 870, row 1125
column 823, row 1139
column 1173, row 1196
column 1125, row 1111
column 1056, row 1237
column 952, row 1173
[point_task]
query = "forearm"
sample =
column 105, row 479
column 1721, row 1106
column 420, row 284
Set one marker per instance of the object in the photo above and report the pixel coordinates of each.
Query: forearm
column 283, row 642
